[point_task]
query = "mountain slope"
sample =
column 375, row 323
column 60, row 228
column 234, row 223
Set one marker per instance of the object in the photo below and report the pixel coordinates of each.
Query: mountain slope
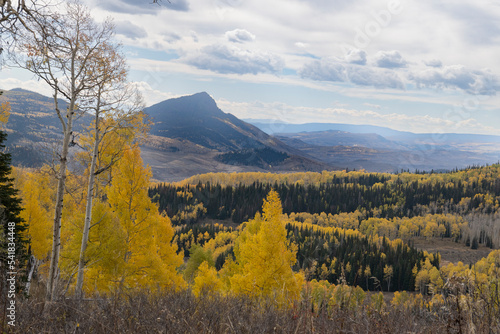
column 33, row 128
column 198, row 119
column 194, row 134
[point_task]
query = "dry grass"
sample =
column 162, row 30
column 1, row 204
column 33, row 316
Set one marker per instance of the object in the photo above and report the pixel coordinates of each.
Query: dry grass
column 181, row 312
column 451, row 251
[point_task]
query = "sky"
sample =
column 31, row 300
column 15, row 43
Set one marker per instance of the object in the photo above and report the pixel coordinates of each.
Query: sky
column 422, row 66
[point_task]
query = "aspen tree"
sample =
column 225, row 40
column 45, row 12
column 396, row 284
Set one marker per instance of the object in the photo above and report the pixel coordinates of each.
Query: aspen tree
column 59, row 48
column 114, row 105
column 148, row 256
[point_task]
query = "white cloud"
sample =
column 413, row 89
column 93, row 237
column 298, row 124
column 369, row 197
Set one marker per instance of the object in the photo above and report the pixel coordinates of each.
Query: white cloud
column 324, row 70
column 377, row 78
column 458, row 77
column 231, row 59
column 373, row 106
column 130, row 30
column 301, row 45
column 356, row 56
column 336, row 71
column 33, row 85
column 434, row 63
column 150, row 95
column 137, row 7
column 239, row 36
column 390, row 59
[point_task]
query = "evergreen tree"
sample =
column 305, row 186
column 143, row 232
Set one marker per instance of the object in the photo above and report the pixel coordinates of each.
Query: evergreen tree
column 12, row 224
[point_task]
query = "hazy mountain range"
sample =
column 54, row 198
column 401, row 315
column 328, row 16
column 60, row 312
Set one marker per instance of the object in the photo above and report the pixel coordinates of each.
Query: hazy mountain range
column 191, row 135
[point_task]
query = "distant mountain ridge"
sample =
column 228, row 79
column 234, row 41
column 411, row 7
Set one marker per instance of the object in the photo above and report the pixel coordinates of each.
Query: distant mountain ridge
column 376, row 148
column 281, row 128
column 273, row 127
column 192, row 135
column 33, row 126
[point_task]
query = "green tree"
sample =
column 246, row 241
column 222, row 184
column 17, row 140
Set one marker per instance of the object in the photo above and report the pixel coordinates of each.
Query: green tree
column 197, row 255
column 12, row 224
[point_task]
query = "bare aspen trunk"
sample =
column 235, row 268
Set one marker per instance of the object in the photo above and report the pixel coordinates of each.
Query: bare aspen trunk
column 61, row 182
column 33, row 265
column 88, row 213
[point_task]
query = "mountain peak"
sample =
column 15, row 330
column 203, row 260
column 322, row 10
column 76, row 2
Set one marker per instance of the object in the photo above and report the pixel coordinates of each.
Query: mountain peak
column 201, row 95
column 198, row 105
column 198, row 119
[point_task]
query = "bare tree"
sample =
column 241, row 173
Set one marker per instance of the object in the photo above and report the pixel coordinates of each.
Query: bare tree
column 60, row 48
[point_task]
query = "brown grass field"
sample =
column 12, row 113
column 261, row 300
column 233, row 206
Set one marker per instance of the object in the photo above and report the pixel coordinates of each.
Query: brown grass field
column 452, row 251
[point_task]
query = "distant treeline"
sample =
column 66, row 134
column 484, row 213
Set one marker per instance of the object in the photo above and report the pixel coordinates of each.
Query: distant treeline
column 377, row 195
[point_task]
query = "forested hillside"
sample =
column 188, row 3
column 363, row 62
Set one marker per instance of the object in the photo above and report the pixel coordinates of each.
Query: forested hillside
column 462, row 205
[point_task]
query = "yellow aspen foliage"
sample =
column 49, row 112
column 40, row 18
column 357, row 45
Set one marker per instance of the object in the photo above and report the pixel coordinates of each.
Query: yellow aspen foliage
column 197, row 256
column 206, row 281
column 319, row 292
column 347, row 297
column 428, row 278
column 4, row 112
column 377, row 303
column 38, row 206
column 149, row 259
column 402, row 299
column 105, row 250
column 114, row 135
column 264, row 257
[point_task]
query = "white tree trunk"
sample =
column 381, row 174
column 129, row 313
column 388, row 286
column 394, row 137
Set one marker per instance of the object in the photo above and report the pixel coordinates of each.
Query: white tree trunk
column 61, row 182
column 33, row 262
column 88, row 213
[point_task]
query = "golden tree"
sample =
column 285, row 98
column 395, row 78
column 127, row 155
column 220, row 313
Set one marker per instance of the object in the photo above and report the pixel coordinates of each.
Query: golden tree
column 145, row 256
column 265, row 257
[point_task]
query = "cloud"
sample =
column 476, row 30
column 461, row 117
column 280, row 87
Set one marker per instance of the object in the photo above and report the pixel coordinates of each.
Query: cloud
column 373, row 106
column 151, row 95
column 390, row 59
column 33, row 85
column 130, row 30
column 336, row 71
column 356, row 56
column 324, row 70
column 433, row 63
column 301, row 45
column 179, row 5
column 365, row 76
column 478, row 24
column 138, row 7
column 458, row 77
column 239, row 36
column 231, row 59
column 171, row 37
